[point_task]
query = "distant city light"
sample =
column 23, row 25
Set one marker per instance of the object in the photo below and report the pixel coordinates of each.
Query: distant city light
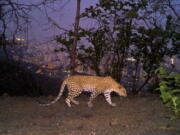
column 20, row 39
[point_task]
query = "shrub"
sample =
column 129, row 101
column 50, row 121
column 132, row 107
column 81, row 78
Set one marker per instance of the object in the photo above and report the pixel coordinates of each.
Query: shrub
column 169, row 88
column 15, row 80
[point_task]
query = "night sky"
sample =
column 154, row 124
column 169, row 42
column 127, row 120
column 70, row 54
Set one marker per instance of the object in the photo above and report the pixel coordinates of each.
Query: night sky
column 62, row 12
column 41, row 31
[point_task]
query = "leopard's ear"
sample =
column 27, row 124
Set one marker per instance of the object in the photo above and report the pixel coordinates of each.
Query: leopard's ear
column 108, row 77
column 120, row 86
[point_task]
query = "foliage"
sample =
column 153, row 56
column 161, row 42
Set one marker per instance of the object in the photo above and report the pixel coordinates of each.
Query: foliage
column 169, row 88
column 153, row 44
column 91, row 56
column 115, row 21
column 148, row 42
column 66, row 40
column 126, row 29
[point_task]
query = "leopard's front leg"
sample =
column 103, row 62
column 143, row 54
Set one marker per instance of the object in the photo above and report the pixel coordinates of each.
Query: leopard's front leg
column 94, row 94
column 107, row 95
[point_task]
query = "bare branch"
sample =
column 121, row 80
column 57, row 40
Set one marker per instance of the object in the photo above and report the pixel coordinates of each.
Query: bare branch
column 173, row 9
column 53, row 21
column 14, row 16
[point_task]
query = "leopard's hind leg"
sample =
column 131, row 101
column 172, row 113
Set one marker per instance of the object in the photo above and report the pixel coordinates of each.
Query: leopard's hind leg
column 74, row 91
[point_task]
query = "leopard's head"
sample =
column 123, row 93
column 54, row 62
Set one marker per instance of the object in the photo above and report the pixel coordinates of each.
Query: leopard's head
column 116, row 87
column 121, row 91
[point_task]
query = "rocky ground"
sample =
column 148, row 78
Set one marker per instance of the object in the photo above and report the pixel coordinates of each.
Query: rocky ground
column 134, row 115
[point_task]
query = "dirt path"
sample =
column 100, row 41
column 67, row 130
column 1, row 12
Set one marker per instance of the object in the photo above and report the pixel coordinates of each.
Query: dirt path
column 133, row 116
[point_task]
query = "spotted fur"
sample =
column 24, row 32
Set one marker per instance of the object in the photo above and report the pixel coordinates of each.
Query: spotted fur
column 93, row 84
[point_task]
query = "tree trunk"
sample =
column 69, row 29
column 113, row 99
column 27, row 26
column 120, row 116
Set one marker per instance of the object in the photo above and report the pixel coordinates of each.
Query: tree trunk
column 3, row 44
column 135, row 76
column 73, row 54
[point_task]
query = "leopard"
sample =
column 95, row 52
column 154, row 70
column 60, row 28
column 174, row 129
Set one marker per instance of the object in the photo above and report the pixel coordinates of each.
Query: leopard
column 96, row 85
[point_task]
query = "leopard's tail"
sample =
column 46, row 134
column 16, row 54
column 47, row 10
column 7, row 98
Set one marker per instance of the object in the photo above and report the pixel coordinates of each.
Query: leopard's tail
column 59, row 95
